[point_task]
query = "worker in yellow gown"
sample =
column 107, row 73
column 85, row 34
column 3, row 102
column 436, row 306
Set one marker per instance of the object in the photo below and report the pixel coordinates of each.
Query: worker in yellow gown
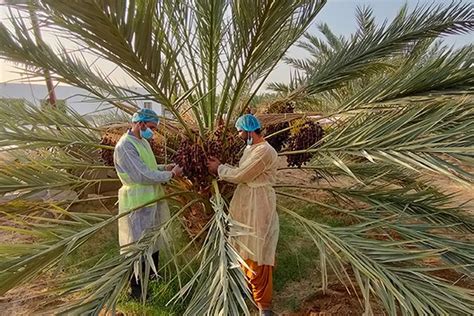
column 254, row 205
column 141, row 179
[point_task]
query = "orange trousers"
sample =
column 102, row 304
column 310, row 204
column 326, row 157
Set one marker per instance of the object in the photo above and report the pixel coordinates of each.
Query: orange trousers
column 260, row 282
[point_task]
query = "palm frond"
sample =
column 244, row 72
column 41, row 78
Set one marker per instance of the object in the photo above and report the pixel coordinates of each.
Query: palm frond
column 219, row 282
column 419, row 220
column 423, row 204
column 366, row 53
column 431, row 136
column 99, row 287
column 363, row 56
column 447, row 72
column 193, row 52
column 37, row 128
column 402, row 105
column 389, row 270
column 371, row 173
column 32, row 175
column 334, row 41
column 56, row 242
column 278, row 25
column 365, row 20
column 19, row 47
column 458, row 254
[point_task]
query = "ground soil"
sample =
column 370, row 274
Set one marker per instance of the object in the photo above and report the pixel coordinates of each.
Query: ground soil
column 336, row 301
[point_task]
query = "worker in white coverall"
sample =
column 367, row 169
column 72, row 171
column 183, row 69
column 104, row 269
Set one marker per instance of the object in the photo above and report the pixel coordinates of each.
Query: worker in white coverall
column 254, row 205
column 141, row 179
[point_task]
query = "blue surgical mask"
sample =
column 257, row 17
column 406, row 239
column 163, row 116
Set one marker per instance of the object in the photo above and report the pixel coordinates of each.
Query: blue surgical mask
column 249, row 141
column 147, row 134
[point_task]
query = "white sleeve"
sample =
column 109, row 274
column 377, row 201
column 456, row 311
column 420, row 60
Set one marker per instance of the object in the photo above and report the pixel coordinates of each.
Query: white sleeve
column 250, row 169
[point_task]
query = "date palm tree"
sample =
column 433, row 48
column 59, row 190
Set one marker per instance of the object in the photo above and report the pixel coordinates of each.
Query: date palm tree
column 401, row 110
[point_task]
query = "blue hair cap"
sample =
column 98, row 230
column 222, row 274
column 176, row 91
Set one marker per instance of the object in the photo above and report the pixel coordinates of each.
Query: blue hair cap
column 248, row 123
column 145, row 115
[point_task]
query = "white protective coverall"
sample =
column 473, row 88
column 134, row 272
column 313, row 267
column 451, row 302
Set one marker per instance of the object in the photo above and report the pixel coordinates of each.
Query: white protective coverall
column 254, row 201
column 141, row 177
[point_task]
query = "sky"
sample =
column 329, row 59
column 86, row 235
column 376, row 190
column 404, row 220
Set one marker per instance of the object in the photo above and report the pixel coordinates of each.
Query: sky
column 338, row 14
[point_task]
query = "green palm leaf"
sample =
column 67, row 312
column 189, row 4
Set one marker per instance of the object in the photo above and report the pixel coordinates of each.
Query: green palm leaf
column 376, row 263
column 413, row 137
column 363, row 55
column 402, row 108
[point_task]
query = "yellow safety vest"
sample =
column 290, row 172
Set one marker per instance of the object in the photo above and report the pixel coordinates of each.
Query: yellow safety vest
column 132, row 195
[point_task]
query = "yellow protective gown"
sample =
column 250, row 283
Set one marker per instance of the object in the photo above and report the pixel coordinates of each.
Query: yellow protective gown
column 254, row 201
column 141, row 179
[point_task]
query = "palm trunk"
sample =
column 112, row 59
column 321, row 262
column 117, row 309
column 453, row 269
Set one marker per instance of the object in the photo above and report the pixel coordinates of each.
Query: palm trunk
column 39, row 40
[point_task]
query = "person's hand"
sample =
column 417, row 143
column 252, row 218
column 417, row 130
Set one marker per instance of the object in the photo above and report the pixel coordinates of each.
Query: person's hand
column 177, row 171
column 213, row 164
column 170, row 166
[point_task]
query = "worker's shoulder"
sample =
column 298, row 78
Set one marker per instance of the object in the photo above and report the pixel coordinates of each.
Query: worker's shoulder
column 266, row 149
column 124, row 143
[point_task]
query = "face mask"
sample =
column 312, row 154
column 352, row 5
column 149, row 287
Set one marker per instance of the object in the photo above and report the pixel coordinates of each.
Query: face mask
column 249, row 140
column 147, row 134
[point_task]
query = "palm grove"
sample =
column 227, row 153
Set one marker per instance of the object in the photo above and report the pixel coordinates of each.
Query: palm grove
column 401, row 109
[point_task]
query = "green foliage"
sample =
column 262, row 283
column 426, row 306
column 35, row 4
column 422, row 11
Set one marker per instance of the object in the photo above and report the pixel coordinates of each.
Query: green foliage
column 401, row 106
column 383, row 63
column 61, row 105
column 157, row 304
